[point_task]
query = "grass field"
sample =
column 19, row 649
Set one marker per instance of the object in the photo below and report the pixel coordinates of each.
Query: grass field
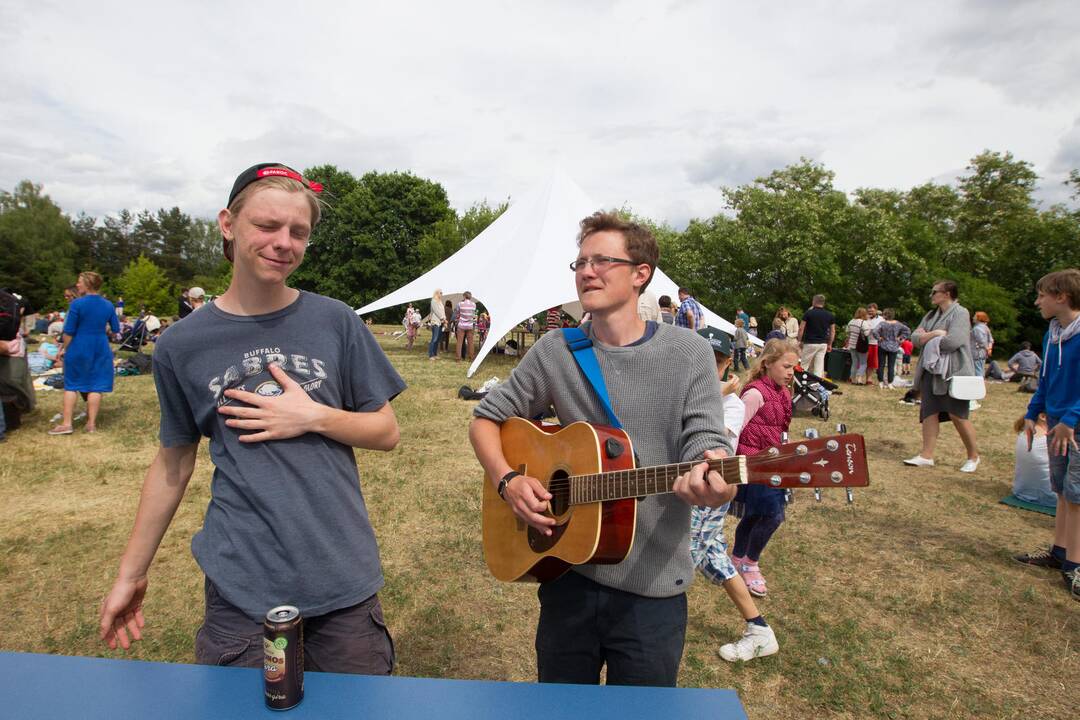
column 903, row 605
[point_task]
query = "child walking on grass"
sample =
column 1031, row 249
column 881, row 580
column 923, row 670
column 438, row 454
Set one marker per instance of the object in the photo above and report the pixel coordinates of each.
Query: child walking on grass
column 768, row 413
column 708, row 549
column 1058, row 395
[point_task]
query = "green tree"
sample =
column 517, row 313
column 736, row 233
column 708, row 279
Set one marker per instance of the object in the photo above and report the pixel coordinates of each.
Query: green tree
column 38, row 254
column 145, row 284
column 85, row 233
column 790, row 223
column 370, row 239
column 997, row 210
column 203, row 253
column 114, row 244
column 174, row 229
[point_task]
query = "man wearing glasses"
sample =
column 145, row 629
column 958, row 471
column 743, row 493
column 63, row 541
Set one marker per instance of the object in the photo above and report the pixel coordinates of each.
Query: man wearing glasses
column 630, row 616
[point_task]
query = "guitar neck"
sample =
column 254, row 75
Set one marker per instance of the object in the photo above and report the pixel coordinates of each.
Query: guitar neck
column 639, row 482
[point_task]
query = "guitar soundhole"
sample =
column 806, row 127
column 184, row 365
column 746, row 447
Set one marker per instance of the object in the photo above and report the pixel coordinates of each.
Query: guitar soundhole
column 559, row 488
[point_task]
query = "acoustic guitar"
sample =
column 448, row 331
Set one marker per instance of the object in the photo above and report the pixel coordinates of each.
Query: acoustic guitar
column 589, row 471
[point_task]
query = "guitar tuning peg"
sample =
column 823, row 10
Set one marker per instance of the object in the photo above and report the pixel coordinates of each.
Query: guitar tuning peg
column 850, row 495
column 841, row 428
column 817, row 494
column 811, row 433
column 789, row 497
column 783, row 438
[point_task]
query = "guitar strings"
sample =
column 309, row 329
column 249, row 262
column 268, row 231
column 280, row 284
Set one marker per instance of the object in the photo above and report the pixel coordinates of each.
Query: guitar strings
column 597, row 478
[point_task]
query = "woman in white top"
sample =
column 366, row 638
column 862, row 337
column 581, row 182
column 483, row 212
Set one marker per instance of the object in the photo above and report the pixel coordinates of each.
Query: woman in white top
column 858, row 328
column 437, row 318
column 791, row 325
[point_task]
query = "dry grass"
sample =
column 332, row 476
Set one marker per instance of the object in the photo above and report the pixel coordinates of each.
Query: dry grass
column 903, row 605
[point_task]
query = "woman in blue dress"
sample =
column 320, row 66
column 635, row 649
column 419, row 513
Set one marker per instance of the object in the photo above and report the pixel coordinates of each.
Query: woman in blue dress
column 88, row 359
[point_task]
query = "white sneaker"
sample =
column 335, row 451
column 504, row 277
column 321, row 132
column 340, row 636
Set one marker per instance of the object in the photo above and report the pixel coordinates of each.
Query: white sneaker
column 756, row 642
column 60, row 416
column 970, row 465
column 974, row 405
column 919, row 461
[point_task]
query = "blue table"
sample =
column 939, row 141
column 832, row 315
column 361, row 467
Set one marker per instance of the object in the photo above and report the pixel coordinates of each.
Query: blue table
column 61, row 687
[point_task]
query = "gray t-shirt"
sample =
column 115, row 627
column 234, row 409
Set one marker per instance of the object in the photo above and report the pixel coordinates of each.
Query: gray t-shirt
column 286, row 523
column 666, row 394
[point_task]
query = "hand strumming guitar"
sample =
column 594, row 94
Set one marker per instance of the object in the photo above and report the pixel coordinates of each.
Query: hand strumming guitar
column 528, row 499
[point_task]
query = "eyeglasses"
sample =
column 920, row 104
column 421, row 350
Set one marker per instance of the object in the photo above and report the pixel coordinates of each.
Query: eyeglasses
column 600, row 263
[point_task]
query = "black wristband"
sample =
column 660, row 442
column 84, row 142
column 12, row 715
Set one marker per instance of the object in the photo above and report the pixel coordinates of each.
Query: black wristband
column 506, row 481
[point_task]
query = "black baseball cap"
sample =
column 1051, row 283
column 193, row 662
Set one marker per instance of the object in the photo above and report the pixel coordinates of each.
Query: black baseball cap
column 720, row 340
column 258, row 172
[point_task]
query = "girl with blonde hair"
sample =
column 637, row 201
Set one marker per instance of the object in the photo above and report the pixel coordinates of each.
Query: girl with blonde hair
column 768, row 414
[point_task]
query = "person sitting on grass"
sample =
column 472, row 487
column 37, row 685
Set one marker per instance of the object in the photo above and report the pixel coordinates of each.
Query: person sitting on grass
column 1058, row 396
column 708, row 548
column 768, row 414
column 44, row 358
column 286, row 384
column 1025, row 363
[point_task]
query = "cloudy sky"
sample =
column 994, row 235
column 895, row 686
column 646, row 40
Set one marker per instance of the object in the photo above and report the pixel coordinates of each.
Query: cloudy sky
column 655, row 104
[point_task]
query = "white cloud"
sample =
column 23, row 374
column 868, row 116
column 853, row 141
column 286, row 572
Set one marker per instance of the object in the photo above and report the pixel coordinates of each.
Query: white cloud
column 119, row 104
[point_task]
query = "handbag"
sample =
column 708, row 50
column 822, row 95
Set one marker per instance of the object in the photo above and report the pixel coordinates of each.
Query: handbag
column 967, row 387
column 863, row 343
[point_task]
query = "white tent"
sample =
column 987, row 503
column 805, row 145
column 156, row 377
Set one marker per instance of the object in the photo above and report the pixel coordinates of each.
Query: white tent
column 519, row 265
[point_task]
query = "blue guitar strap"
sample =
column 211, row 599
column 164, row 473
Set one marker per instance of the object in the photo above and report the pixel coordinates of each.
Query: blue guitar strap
column 581, row 348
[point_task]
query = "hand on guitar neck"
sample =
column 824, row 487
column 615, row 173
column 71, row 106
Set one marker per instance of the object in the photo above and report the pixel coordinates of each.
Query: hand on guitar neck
column 697, row 488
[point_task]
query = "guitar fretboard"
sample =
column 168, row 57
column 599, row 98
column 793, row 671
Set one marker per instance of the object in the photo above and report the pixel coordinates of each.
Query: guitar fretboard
column 639, row 482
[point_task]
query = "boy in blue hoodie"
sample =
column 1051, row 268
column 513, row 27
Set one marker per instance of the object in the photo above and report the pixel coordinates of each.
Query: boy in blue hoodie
column 1059, row 397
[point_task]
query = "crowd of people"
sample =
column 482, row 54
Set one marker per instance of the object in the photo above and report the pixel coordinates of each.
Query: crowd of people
column 72, row 348
column 284, row 425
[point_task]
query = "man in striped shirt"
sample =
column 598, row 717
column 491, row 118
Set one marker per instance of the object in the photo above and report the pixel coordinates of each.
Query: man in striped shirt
column 466, row 324
column 690, row 314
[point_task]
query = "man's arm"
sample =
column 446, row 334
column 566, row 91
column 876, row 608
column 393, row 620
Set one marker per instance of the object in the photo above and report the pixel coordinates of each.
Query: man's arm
column 802, row 329
column 294, row 413
column 163, row 488
column 525, row 495
column 832, row 334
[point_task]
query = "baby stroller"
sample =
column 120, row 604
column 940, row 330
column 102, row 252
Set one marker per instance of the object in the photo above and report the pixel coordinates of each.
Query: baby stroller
column 140, row 331
column 810, row 394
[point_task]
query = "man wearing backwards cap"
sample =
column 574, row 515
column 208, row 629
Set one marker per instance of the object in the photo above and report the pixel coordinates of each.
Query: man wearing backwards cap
column 285, row 384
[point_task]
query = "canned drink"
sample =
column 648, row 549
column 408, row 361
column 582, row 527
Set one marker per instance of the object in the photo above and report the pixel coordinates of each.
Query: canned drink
column 283, row 658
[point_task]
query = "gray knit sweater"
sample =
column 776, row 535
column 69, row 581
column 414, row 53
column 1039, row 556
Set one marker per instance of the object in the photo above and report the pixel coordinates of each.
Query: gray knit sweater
column 667, row 395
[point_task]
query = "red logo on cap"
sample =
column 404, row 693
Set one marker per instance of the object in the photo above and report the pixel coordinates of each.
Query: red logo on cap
column 283, row 172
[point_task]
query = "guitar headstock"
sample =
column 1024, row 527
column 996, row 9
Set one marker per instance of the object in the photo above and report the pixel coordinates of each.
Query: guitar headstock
column 837, row 461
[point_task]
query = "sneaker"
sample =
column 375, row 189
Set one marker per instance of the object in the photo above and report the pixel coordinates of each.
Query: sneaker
column 756, row 642
column 1072, row 582
column 974, row 405
column 1040, row 557
column 920, row 461
column 970, row 465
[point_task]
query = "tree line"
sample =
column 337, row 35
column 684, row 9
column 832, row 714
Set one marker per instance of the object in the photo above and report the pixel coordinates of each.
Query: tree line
column 777, row 241
column 792, row 234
